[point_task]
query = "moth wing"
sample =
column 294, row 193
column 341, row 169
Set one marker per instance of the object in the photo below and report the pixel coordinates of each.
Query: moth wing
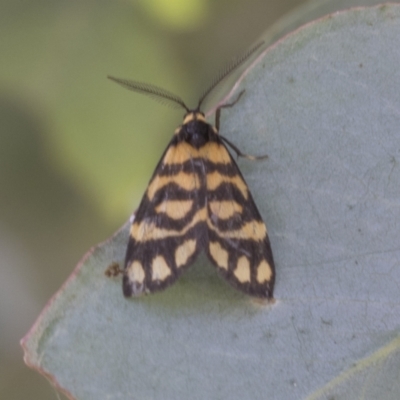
column 238, row 240
column 164, row 236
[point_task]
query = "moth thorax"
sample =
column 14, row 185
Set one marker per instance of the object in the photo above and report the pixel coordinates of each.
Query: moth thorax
column 196, row 130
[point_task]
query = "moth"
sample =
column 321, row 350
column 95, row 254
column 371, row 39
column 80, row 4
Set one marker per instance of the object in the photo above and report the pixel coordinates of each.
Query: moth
column 197, row 200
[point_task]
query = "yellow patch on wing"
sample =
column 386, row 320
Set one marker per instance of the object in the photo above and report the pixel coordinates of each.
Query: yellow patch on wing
column 225, row 209
column 180, row 153
column 182, row 179
column 135, row 272
column 254, row 230
column 184, row 251
column 242, row 270
column 215, row 179
column 183, row 151
column 145, row 230
column 175, row 209
column 216, row 153
column 264, row 272
column 159, row 269
column 219, row 254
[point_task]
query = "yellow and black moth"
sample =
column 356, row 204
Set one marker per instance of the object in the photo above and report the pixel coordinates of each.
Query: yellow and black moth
column 197, row 200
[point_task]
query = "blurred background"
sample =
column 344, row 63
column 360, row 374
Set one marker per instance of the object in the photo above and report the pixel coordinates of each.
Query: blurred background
column 76, row 150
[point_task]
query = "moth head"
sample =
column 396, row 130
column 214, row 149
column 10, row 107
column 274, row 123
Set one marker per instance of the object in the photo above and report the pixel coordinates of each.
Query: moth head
column 194, row 116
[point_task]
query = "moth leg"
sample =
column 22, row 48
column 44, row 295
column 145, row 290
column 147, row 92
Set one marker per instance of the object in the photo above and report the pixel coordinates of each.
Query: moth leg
column 239, row 153
column 228, row 105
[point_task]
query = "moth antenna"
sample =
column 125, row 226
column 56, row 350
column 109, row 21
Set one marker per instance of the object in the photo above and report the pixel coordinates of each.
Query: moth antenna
column 152, row 91
column 228, row 70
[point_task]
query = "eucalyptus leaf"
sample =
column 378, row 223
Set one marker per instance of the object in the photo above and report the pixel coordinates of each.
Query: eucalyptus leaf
column 324, row 103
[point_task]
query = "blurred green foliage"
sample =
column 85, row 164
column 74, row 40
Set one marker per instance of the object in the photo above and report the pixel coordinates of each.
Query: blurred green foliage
column 178, row 15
